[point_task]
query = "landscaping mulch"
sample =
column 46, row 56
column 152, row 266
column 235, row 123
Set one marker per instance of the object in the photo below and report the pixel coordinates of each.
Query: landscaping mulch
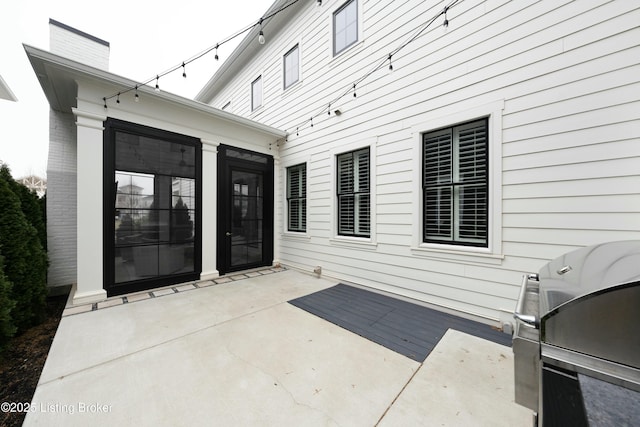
column 22, row 361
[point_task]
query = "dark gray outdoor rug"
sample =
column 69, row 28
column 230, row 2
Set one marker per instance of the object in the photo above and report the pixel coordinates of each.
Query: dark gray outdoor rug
column 409, row 329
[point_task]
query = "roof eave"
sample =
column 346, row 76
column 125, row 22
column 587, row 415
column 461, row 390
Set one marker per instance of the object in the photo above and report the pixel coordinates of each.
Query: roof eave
column 55, row 88
column 5, row 91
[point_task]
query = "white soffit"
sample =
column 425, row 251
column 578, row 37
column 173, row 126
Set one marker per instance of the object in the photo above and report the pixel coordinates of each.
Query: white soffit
column 58, row 76
column 5, row 92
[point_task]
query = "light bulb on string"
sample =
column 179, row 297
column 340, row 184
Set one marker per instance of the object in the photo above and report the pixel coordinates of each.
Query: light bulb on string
column 136, row 98
column 157, row 85
column 184, row 71
column 354, row 90
column 261, row 38
column 390, row 64
column 216, row 57
column 445, row 24
column 104, row 99
column 118, row 98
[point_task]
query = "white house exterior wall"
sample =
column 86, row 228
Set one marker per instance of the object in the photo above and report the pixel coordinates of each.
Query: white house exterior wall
column 61, row 199
column 62, row 193
column 560, row 82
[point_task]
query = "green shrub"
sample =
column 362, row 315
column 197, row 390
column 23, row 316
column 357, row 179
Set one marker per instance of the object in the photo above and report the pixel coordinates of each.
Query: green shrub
column 32, row 211
column 25, row 261
column 7, row 328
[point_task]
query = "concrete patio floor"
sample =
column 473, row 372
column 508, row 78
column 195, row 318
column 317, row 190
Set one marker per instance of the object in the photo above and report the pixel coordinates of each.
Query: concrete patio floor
column 237, row 353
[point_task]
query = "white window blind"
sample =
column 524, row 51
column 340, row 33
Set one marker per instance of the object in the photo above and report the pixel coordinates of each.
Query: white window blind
column 354, row 201
column 345, row 26
column 455, row 184
column 297, row 198
column 291, row 66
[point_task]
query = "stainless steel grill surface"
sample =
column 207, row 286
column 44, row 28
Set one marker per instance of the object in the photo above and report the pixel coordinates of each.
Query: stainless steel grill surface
column 578, row 330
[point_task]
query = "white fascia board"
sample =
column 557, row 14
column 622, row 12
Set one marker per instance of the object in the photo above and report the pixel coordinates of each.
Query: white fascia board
column 55, row 72
column 5, row 91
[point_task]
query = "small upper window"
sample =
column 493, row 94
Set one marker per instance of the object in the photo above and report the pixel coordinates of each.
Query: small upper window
column 345, row 26
column 256, row 93
column 291, row 66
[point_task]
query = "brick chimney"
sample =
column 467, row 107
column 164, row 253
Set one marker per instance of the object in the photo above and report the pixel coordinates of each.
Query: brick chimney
column 77, row 45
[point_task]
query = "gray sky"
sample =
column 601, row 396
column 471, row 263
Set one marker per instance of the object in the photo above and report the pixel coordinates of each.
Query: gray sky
column 146, row 38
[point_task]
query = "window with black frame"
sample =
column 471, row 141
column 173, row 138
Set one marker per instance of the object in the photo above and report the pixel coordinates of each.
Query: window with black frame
column 155, row 208
column 455, row 184
column 354, row 200
column 297, row 198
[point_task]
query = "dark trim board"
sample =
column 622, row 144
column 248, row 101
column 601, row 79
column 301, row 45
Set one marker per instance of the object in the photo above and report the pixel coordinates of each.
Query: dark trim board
column 409, row 329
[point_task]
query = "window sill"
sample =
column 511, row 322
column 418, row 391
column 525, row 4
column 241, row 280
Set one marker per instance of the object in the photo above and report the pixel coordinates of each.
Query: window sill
column 257, row 110
column 461, row 254
column 292, row 235
column 354, row 242
column 293, row 88
column 346, row 54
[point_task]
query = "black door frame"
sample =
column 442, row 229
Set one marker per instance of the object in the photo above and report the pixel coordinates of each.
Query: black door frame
column 112, row 126
column 226, row 164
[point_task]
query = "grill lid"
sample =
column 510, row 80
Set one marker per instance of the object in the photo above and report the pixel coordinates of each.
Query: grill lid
column 588, row 270
column 590, row 302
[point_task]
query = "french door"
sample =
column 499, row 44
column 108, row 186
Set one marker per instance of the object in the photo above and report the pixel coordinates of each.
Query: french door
column 245, row 209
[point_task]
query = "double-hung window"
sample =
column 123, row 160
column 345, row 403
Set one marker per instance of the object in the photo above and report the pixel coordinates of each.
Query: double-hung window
column 345, row 26
column 297, row 198
column 256, row 93
column 354, row 199
column 291, row 66
column 455, row 184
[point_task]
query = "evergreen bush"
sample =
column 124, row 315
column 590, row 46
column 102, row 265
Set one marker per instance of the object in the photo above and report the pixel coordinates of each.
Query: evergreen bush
column 7, row 328
column 25, row 261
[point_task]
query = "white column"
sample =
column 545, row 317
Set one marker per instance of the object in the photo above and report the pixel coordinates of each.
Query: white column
column 277, row 206
column 209, row 209
column 89, row 286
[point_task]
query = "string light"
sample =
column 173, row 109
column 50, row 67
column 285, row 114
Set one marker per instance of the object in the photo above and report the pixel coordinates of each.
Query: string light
column 118, row 98
column 184, row 71
column 421, row 29
column 445, row 24
column 387, row 61
column 261, row 39
column 136, row 97
column 205, row 52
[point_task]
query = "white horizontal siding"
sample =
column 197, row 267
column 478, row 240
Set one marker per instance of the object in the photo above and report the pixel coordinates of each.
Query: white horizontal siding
column 569, row 76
